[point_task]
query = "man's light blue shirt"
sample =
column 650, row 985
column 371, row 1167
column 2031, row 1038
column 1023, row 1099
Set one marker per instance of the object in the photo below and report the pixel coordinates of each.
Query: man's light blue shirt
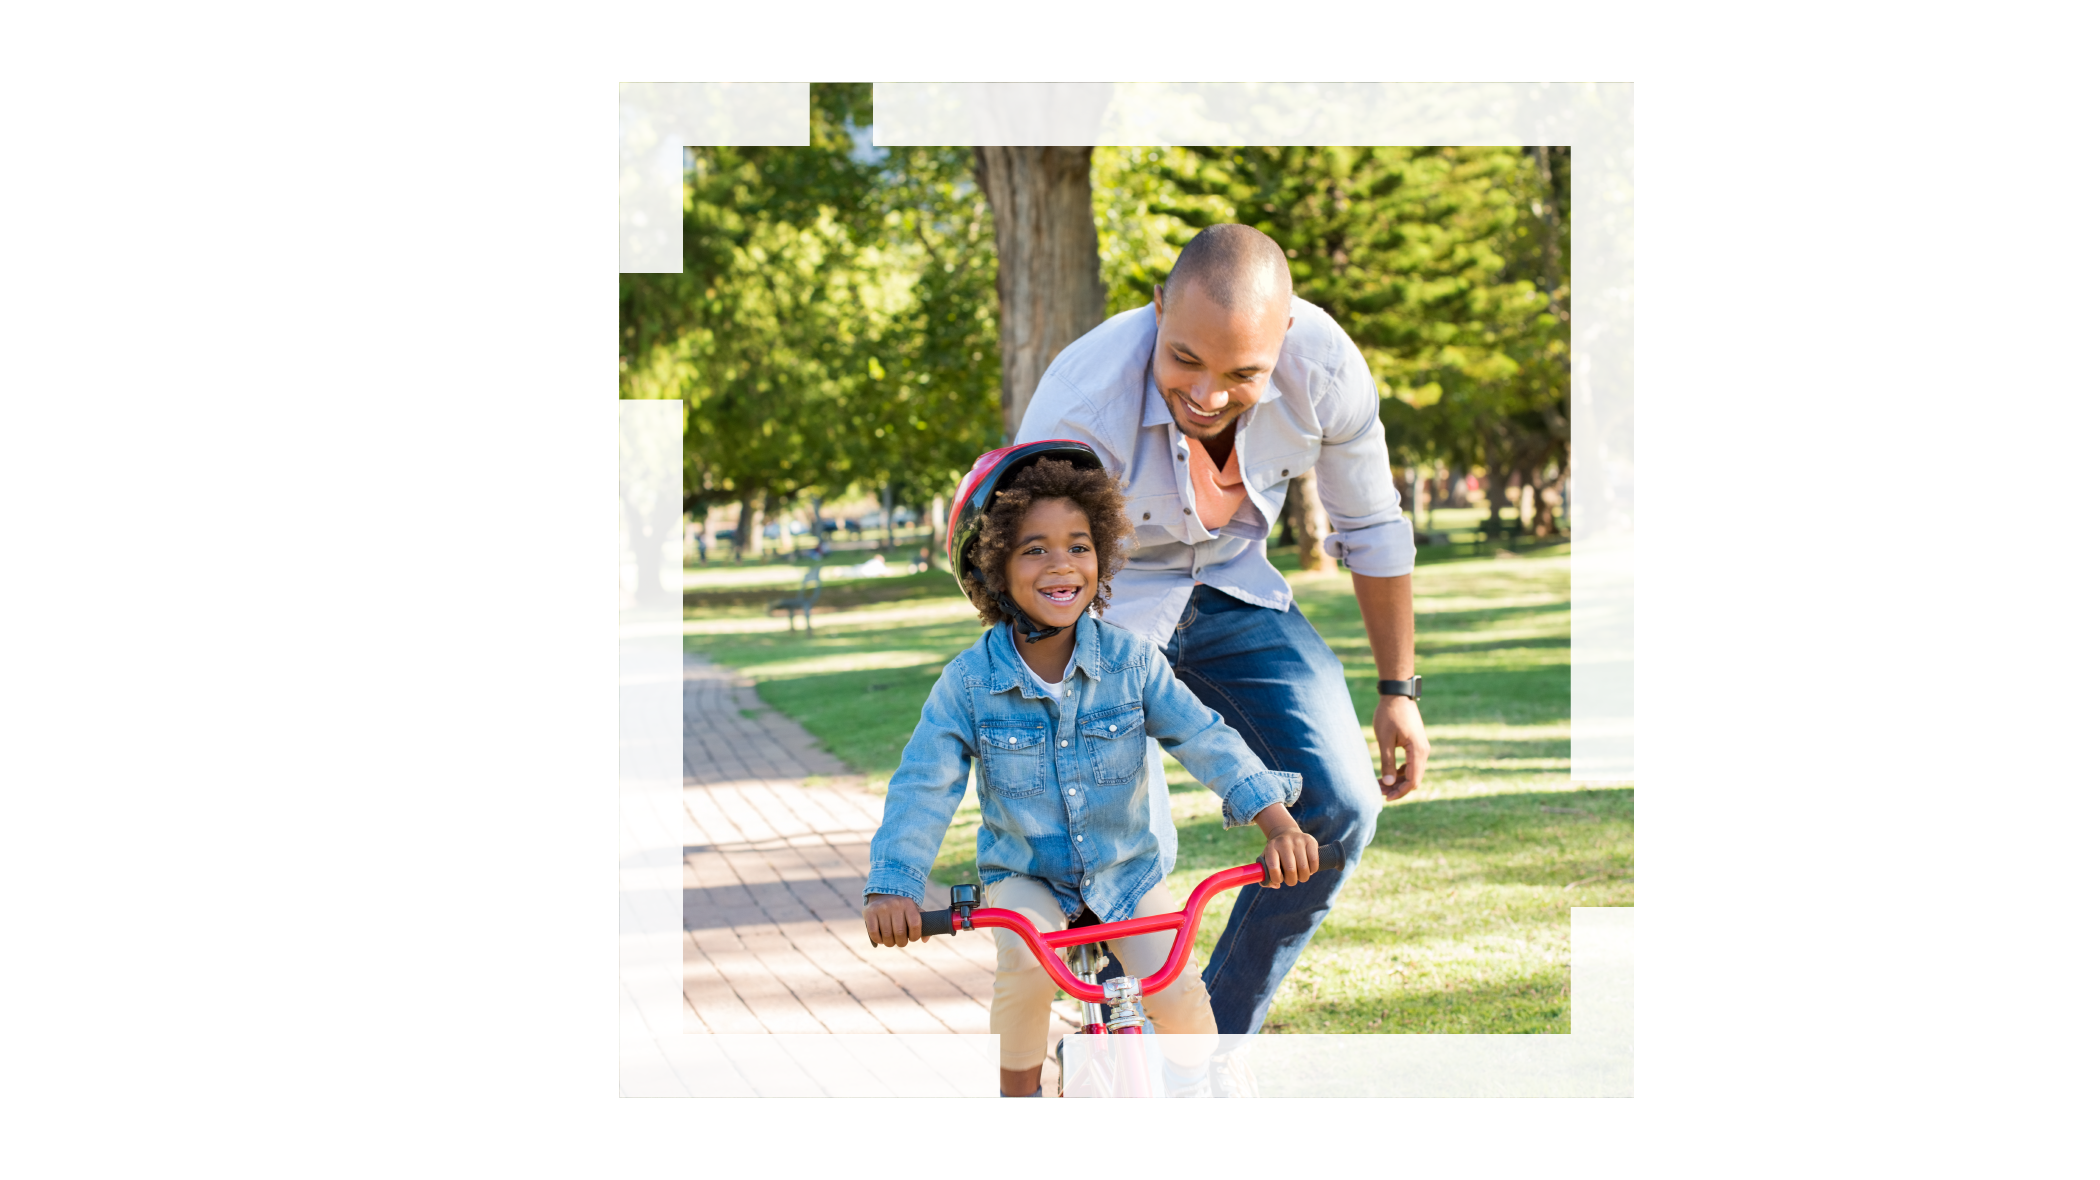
column 1319, row 413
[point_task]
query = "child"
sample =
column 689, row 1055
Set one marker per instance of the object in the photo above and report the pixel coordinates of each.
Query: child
column 1054, row 706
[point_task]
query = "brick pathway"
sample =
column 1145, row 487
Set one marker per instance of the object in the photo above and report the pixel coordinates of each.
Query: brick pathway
column 775, row 858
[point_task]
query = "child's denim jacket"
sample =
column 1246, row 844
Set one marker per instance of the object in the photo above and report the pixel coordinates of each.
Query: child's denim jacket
column 1062, row 779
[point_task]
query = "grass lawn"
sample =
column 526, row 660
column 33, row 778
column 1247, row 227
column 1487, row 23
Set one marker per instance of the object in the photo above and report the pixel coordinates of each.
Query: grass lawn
column 1457, row 918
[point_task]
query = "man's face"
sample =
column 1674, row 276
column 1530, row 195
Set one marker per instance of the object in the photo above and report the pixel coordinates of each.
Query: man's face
column 1212, row 364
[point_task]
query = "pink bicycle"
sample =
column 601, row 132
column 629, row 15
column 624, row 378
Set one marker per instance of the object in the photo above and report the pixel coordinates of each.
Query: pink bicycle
column 1086, row 948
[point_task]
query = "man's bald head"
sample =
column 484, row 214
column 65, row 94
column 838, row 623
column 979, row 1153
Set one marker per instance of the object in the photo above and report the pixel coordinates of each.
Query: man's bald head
column 1239, row 268
column 1223, row 316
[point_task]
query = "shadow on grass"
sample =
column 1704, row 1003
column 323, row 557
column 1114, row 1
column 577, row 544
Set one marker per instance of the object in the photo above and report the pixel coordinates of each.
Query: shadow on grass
column 1534, row 1002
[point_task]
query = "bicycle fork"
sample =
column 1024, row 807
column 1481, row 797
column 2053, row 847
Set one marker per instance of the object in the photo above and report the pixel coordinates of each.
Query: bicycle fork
column 1122, row 1010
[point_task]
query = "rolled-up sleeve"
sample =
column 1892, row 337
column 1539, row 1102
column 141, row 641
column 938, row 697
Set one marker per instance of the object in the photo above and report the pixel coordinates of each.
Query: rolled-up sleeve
column 1372, row 536
column 1257, row 793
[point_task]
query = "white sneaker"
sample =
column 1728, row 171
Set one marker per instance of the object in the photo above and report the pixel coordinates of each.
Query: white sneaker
column 1232, row 1076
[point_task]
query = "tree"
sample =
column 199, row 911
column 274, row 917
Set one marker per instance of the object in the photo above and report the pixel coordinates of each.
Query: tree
column 1049, row 281
column 1438, row 262
column 834, row 325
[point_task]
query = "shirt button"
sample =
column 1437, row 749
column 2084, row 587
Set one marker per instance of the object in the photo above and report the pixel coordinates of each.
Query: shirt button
column 1081, row 839
column 1013, row 741
column 1111, row 729
column 1186, row 512
column 1286, row 471
column 1063, row 742
column 1148, row 516
column 1071, row 790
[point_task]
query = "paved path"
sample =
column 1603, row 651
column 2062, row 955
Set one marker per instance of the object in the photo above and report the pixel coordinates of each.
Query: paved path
column 775, row 858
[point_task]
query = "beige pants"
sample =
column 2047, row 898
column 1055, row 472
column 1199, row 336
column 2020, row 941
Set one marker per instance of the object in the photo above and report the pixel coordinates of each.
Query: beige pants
column 1022, row 990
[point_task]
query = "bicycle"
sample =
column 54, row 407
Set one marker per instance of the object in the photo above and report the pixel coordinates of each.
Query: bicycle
column 1086, row 947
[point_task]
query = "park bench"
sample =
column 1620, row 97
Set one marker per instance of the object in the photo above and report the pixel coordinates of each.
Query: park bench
column 812, row 585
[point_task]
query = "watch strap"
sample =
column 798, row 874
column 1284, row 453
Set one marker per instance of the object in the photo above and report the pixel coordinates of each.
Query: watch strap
column 1410, row 688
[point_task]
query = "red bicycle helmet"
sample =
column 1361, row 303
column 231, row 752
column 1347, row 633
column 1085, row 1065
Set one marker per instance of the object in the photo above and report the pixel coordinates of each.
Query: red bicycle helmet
column 992, row 473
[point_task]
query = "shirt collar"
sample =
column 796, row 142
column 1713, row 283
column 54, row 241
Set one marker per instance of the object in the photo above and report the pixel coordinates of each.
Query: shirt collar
column 1156, row 412
column 1006, row 657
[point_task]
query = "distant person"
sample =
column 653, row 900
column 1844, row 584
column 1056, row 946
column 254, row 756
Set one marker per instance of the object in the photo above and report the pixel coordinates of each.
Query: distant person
column 1203, row 407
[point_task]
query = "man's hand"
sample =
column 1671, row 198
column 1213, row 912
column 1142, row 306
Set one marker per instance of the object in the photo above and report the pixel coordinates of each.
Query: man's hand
column 891, row 920
column 1388, row 606
column 1291, row 856
column 1398, row 722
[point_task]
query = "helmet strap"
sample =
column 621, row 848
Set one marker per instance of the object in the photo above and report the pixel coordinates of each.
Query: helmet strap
column 1034, row 632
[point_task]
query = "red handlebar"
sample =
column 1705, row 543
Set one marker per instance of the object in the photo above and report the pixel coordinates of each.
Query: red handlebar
column 1185, row 920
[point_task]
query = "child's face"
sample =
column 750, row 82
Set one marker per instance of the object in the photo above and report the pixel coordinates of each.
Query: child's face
column 1053, row 570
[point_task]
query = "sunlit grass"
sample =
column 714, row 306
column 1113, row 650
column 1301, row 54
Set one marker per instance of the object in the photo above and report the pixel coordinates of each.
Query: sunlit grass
column 1457, row 920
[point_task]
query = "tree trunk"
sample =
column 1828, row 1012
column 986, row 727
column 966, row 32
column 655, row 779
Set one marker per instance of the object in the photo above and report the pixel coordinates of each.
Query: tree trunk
column 1049, row 278
column 889, row 514
column 747, row 526
column 1308, row 519
column 1497, row 489
column 1549, row 498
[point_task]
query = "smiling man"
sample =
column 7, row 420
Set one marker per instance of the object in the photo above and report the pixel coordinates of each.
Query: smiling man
column 1204, row 406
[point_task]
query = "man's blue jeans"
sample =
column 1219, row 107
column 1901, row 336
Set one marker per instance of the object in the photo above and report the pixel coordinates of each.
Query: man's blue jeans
column 1272, row 677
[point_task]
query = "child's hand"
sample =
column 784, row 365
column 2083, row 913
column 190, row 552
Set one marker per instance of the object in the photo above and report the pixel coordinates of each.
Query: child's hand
column 1291, row 856
column 891, row 920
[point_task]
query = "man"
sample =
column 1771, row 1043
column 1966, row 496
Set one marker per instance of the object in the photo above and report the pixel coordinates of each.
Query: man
column 1204, row 406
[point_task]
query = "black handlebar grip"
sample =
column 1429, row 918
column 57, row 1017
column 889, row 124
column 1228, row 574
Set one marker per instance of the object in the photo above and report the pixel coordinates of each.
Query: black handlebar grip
column 932, row 922
column 1330, row 858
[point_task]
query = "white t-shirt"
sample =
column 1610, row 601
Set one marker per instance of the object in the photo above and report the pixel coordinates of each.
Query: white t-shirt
column 1049, row 689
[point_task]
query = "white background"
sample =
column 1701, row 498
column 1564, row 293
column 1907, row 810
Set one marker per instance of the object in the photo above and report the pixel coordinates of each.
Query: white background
column 308, row 451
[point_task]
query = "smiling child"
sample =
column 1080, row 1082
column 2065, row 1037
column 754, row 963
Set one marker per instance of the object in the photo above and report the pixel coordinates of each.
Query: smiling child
column 1054, row 705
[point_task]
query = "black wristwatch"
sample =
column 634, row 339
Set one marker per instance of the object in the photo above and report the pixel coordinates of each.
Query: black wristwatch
column 1411, row 688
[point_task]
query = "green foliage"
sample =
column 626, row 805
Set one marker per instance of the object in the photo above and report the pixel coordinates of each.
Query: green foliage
column 835, row 324
column 1445, row 265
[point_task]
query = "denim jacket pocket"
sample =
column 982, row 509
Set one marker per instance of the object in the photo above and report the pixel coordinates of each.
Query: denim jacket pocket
column 1115, row 742
column 1013, row 757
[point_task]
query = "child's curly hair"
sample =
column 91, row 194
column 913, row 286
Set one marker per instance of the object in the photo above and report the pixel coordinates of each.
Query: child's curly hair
column 1097, row 495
